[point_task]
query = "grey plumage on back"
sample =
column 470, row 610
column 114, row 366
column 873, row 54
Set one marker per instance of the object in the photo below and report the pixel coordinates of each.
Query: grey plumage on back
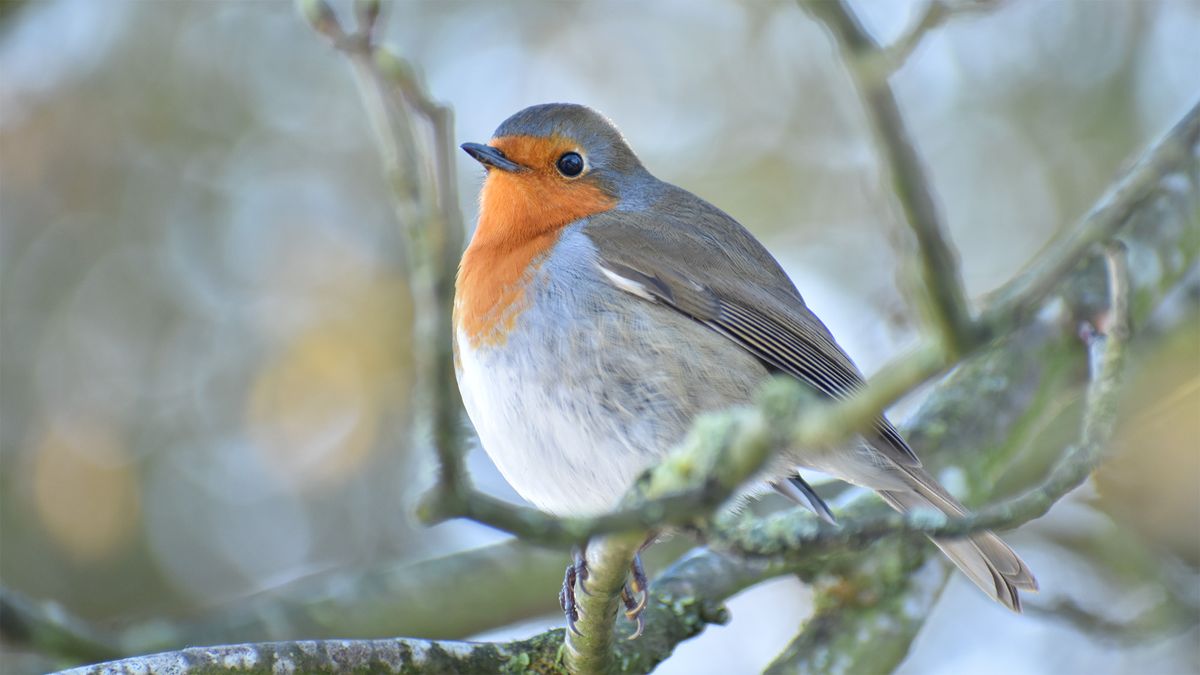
column 740, row 291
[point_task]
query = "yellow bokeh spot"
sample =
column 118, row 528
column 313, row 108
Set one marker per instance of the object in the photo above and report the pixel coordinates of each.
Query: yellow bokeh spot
column 85, row 489
column 1150, row 479
column 314, row 411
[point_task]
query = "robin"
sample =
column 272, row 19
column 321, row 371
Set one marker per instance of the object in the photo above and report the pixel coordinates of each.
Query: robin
column 598, row 310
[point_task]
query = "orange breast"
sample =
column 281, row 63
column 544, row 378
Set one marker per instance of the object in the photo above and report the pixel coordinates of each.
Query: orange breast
column 521, row 215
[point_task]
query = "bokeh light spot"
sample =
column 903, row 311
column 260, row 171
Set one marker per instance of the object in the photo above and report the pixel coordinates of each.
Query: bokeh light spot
column 85, row 490
column 314, row 411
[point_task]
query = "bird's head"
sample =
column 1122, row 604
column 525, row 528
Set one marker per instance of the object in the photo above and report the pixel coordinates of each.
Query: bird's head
column 550, row 165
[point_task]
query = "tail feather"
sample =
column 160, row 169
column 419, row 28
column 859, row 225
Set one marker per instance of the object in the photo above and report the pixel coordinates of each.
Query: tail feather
column 983, row 557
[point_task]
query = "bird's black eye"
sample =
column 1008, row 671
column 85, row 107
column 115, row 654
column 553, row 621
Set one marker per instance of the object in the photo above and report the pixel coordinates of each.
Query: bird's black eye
column 570, row 164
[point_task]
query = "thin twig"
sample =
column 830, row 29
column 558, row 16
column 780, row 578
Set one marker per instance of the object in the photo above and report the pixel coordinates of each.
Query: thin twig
column 869, row 632
column 420, row 171
column 942, row 282
column 443, row 242
column 48, row 628
column 936, row 13
column 1164, row 619
column 1175, row 152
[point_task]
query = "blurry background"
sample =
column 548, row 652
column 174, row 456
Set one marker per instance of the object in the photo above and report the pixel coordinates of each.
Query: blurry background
column 204, row 357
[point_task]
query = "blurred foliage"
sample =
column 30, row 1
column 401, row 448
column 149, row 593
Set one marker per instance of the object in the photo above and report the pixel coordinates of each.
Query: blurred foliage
column 204, row 322
column 1151, row 482
column 9, row 9
column 205, row 326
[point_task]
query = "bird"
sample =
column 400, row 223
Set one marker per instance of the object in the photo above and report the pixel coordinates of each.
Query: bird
column 599, row 310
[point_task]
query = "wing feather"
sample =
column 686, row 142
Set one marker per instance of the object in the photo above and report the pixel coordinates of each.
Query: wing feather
column 780, row 331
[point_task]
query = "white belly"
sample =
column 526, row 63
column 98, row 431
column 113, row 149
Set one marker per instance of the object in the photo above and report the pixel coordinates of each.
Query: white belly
column 544, row 433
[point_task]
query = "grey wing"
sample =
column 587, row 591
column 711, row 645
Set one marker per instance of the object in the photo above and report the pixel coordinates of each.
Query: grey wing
column 739, row 298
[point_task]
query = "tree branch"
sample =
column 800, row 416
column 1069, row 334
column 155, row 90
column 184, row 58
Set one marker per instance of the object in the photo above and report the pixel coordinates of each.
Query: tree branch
column 591, row 650
column 1175, row 153
column 948, row 312
column 936, row 13
column 684, row 599
column 420, row 171
column 847, row 636
column 767, row 537
column 1164, row 619
column 49, row 629
column 437, row 598
column 340, row 656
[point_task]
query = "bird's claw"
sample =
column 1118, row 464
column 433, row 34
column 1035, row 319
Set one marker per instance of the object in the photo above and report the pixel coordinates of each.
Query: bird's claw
column 636, row 595
column 566, row 599
column 581, row 572
column 576, row 575
column 633, row 610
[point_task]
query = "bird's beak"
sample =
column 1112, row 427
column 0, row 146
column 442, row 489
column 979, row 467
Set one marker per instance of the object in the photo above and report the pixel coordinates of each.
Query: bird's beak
column 491, row 157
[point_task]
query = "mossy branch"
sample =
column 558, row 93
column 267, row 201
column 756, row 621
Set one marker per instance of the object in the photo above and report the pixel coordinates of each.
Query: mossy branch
column 684, row 599
column 1107, row 352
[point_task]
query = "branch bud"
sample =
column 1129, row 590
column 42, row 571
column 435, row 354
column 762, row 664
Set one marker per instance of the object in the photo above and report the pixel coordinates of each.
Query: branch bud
column 321, row 17
column 367, row 13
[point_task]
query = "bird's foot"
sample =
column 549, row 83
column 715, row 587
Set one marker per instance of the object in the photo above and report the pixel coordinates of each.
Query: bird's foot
column 576, row 575
column 636, row 594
